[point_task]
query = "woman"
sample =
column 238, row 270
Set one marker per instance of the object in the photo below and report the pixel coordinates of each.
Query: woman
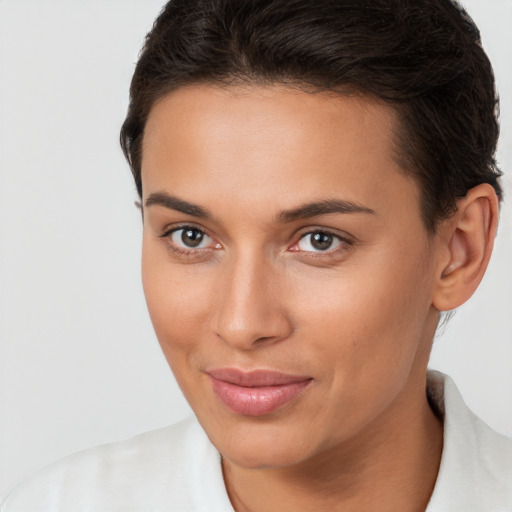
column 317, row 184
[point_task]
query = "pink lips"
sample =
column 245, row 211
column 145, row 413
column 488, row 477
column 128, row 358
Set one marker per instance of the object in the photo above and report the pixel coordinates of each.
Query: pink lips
column 258, row 392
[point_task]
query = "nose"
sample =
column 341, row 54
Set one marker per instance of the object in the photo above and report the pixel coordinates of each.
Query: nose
column 250, row 310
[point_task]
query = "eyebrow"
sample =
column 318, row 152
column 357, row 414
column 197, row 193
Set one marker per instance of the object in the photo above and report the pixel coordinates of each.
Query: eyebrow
column 305, row 211
column 174, row 203
column 324, row 207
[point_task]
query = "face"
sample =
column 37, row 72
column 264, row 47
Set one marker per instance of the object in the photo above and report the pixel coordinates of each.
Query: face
column 286, row 268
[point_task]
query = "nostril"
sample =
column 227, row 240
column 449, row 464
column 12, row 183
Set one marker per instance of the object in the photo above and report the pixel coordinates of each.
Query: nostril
column 247, row 341
column 264, row 338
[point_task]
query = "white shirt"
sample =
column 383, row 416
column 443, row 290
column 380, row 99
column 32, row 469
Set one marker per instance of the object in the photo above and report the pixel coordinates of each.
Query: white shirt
column 177, row 469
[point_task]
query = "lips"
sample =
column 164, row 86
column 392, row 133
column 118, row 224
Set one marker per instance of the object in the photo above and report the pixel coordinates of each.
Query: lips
column 258, row 392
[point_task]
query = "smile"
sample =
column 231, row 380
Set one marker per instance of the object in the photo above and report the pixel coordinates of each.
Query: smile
column 258, row 392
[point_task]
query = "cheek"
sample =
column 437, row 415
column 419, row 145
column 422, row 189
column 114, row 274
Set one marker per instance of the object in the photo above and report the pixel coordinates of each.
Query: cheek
column 368, row 316
column 177, row 300
column 363, row 330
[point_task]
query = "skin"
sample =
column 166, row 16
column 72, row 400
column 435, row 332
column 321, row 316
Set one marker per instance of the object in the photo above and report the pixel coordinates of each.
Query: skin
column 357, row 318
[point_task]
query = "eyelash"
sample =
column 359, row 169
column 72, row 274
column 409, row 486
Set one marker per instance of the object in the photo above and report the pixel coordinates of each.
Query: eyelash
column 344, row 242
column 180, row 251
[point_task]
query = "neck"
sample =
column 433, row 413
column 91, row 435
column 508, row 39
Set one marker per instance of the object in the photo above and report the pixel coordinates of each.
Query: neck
column 392, row 465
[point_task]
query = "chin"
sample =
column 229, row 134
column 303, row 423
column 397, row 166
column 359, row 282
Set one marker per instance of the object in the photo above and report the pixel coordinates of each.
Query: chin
column 254, row 459
column 263, row 448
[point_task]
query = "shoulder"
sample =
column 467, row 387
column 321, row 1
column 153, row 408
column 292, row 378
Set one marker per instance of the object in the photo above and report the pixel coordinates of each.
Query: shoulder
column 145, row 471
column 476, row 464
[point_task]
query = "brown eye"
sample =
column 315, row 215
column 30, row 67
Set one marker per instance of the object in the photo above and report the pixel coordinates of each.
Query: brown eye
column 319, row 241
column 190, row 237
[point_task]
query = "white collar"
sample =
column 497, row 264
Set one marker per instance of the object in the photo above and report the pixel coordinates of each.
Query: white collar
column 476, row 465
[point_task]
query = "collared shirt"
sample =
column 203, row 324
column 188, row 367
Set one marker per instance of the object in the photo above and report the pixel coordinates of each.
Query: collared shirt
column 177, row 469
column 476, row 464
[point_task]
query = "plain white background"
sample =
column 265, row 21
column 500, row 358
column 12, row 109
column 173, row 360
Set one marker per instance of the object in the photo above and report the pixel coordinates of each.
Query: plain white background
column 79, row 363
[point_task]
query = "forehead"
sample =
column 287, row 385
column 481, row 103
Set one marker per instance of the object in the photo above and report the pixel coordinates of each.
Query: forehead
column 272, row 144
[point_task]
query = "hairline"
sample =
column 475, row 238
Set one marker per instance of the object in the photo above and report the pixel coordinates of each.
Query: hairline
column 249, row 83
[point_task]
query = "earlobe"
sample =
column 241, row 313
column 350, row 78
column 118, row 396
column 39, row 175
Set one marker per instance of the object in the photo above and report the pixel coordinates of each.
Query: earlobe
column 468, row 239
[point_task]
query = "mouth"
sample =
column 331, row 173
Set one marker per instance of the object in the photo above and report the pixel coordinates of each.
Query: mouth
column 258, row 392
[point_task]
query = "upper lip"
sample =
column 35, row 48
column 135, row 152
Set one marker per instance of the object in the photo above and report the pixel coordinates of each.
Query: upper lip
column 255, row 378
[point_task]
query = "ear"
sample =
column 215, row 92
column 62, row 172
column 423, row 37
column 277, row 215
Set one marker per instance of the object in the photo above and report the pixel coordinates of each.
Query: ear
column 466, row 239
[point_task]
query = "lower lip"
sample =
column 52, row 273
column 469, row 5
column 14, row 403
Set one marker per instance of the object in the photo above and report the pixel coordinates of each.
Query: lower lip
column 257, row 401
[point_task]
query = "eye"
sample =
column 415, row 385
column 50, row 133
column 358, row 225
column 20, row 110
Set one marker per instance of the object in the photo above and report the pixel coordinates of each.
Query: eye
column 190, row 237
column 319, row 241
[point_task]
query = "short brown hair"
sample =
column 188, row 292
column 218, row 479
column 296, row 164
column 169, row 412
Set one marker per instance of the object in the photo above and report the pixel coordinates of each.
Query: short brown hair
column 423, row 57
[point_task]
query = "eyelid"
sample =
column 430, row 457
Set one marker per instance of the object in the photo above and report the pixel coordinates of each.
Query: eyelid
column 345, row 239
column 167, row 232
column 171, row 228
